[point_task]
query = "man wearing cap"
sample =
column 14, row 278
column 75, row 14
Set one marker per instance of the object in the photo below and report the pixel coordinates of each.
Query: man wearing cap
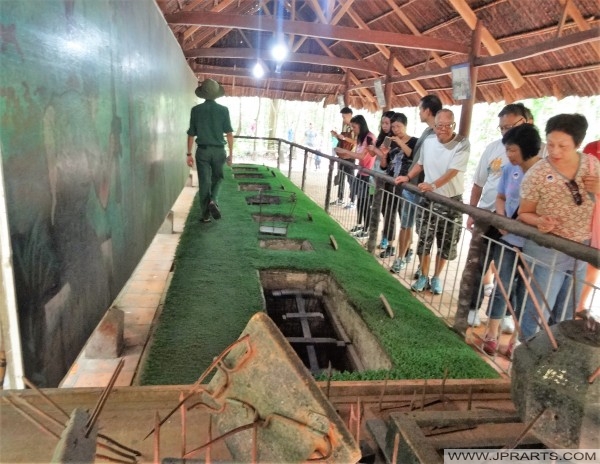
column 208, row 122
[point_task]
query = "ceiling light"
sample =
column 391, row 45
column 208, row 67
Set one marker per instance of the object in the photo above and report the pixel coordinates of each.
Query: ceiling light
column 279, row 52
column 258, row 71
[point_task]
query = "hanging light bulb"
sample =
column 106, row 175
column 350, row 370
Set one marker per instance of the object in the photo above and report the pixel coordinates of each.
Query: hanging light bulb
column 258, row 71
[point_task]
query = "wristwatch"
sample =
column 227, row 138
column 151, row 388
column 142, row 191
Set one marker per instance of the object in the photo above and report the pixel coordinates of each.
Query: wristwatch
column 433, row 186
column 189, row 154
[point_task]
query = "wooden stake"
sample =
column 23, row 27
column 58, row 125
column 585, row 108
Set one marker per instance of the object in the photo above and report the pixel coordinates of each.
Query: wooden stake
column 594, row 376
column 182, row 410
column 386, row 306
column 333, row 242
column 396, row 446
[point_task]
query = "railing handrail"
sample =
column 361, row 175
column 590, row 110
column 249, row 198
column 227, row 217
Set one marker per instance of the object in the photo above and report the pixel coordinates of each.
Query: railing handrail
column 484, row 217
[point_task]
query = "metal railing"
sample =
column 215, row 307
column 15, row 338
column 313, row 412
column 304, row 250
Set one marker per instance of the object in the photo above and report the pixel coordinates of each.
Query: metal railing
column 368, row 199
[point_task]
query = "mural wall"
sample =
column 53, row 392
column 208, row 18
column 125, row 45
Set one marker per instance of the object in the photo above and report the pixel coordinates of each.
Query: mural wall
column 94, row 104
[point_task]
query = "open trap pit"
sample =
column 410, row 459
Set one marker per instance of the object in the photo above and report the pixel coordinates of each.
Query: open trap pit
column 263, row 200
column 286, row 244
column 314, row 315
column 251, row 186
column 248, row 175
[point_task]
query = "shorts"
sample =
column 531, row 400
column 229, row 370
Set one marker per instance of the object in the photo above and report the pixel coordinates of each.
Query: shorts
column 442, row 223
column 410, row 205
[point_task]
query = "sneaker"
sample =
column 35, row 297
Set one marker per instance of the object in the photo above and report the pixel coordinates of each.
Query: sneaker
column 349, row 205
column 507, row 325
column 384, row 243
column 389, row 251
column 356, row 228
column 214, row 210
column 409, row 255
column 421, row 284
column 436, row 286
column 488, row 289
column 361, row 234
column 398, row 265
column 473, row 318
column 206, row 219
column 418, row 273
column 337, row 203
column 490, row 345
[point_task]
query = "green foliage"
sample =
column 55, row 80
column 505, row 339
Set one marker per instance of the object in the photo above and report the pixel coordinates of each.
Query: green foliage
column 215, row 289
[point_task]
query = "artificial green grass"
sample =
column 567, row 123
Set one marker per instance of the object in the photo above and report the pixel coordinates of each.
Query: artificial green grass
column 215, row 290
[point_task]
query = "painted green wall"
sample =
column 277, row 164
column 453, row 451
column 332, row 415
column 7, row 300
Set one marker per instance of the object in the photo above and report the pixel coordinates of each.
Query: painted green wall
column 94, row 104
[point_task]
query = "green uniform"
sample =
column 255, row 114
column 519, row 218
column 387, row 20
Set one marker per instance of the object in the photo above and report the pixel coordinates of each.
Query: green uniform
column 208, row 122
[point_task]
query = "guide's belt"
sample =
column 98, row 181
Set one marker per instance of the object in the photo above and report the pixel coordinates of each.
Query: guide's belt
column 210, row 146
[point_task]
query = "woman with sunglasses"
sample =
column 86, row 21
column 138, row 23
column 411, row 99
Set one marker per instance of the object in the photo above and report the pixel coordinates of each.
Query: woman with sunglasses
column 557, row 196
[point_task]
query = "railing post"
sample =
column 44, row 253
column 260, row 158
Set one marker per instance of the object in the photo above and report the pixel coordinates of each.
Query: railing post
column 329, row 185
column 375, row 213
column 290, row 162
column 304, row 165
column 279, row 155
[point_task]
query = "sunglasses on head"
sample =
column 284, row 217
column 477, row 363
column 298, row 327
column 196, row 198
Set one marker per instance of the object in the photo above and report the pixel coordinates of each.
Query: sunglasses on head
column 574, row 189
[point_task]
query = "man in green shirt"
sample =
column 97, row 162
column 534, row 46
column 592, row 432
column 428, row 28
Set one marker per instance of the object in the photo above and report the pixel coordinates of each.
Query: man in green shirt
column 208, row 122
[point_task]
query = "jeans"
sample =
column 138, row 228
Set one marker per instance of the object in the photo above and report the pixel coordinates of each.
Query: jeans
column 553, row 271
column 390, row 205
column 506, row 261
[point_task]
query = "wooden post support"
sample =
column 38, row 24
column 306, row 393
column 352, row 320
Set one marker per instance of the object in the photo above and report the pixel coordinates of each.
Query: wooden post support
column 333, row 242
column 386, row 305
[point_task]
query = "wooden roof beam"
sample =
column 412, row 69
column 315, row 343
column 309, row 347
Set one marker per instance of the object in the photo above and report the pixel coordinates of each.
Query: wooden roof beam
column 509, row 69
column 323, row 31
column 387, row 54
column 252, row 54
column 406, row 20
column 217, row 9
column 574, row 13
column 284, row 76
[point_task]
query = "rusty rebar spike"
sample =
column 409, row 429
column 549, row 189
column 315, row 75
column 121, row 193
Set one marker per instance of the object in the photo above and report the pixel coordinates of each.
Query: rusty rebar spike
column 423, row 395
column 156, row 438
column 103, row 397
column 533, row 279
column 113, row 450
column 120, row 445
column 352, row 418
column 358, row 419
column 216, row 361
column 506, row 297
column 536, row 305
column 32, row 419
column 45, row 397
column 182, row 410
column 36, row 410
column 595, row 375
column 526, row 429
column 111, row 459
column 208, row 448
column 443, row 388
column 328, row 379
column 383, row 391
column 241, row 428
column 470, row 402
column 412, row 401
column 396, row 447
column 255, row 443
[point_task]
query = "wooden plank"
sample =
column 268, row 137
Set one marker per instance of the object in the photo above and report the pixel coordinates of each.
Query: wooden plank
column 315, row 340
